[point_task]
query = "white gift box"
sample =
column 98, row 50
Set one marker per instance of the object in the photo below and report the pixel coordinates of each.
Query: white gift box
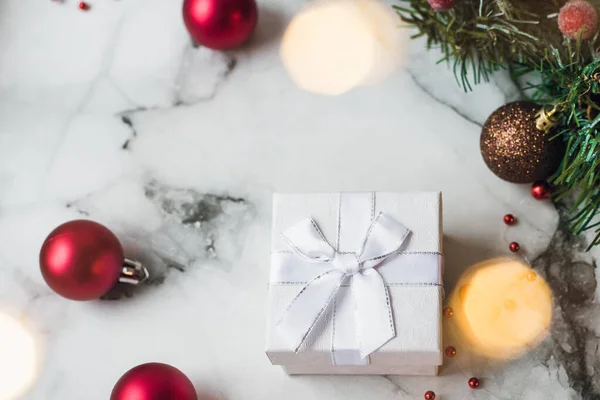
column 356, row 283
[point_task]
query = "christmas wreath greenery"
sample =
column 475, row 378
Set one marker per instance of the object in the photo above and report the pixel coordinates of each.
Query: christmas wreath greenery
column 551, row 49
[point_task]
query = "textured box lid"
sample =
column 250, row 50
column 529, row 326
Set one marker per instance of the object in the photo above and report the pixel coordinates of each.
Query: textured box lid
column 416, row 309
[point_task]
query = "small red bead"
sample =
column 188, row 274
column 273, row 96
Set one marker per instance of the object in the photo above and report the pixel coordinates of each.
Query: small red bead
column 540, row 190
column 514, row 247
column 83, row 5
column 473, row 383
column 509, row 219
column 429, row 395
column 450, row 351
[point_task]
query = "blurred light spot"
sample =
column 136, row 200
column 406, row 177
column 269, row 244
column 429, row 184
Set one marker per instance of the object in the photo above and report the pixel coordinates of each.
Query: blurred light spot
column 19, row 357
column 464, row 291
column 500, row 310
column 336, row 45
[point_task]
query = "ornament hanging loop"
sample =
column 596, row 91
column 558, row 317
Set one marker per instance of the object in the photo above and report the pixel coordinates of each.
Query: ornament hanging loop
column 545, row 120
column 133, row 272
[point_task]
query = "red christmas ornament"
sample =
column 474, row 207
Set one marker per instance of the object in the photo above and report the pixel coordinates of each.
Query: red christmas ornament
column 509, row 219
column 429, row 395
column 473, row 383
column 154, row 381
column 578, row 15
column 220, row 24
column 83, row 260
column 514, row 247
column 442, row 5
column 540, row 190
column 83, row 6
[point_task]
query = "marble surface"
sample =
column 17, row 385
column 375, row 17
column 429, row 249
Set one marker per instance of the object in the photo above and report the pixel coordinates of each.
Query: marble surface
column 113, row 115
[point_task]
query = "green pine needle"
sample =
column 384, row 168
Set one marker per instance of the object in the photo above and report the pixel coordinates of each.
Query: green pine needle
column 479, row 37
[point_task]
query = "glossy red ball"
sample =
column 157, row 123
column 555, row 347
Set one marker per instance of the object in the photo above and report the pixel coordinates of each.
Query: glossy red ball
column 509, row 219
column 540, row 190
column 154, row 381
column 473, row 383
column 220, row 24
column 429, row 395
column 450, row 351
column 514, row 247
column 81, row 260
column 83, row 5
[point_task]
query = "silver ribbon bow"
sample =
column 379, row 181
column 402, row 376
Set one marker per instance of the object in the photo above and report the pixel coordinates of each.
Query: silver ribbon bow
column 373, row 313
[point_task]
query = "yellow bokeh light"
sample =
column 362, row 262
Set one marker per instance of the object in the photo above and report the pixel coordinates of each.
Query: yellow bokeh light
column 501, row 308
column 19, row 353
column 336, row 45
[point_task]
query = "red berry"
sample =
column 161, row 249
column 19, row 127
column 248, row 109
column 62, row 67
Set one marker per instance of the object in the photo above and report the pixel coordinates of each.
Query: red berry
column 514, row 247
column 448, row 312
column 442, row 5
column 578, row 15
column 473, row 383
column 509, row 219
column 540, row 190
column 429, row 395
column 450, row 351
column 83, row 5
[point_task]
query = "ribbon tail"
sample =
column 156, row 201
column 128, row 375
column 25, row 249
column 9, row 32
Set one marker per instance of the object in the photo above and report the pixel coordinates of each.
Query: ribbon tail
column 375, row 323
column 309, row 305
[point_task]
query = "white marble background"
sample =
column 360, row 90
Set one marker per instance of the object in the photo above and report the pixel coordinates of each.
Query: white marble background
column 111, row 114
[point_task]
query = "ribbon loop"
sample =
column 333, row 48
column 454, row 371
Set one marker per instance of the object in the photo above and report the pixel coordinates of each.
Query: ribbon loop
column 307, row 240
column 384, row 237
column 374, row 322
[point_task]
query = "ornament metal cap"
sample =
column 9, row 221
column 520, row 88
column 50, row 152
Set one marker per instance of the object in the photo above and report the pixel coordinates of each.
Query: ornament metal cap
column 133, row 272
column 545, row 120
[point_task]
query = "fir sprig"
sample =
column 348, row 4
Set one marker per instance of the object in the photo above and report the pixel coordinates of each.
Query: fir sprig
column 481, row 36
column 478, row 37
column 574, row 89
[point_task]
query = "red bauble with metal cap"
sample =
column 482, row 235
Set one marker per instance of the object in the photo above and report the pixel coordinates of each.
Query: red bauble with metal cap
column 154, row 381
column 81, row 260
column 220, row 24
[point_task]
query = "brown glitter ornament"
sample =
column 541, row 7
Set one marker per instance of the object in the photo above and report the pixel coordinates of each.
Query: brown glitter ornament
column 514, row 148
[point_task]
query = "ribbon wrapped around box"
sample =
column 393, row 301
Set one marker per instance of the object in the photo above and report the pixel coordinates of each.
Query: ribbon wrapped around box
column 356, row 283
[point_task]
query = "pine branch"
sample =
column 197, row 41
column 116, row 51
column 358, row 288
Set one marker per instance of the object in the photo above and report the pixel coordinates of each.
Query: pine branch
column 574, row 88
column 478, row 37
column 481, row 36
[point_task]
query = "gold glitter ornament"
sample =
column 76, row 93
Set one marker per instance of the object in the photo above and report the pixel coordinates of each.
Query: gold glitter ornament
column 515, row 149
